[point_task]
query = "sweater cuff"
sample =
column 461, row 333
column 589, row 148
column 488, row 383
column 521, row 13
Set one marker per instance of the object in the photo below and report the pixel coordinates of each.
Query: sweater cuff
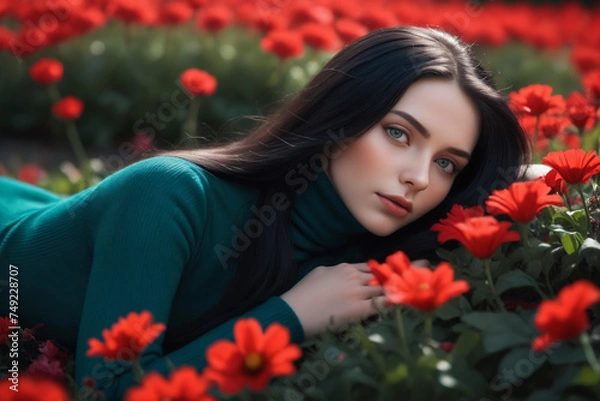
column 275, row 309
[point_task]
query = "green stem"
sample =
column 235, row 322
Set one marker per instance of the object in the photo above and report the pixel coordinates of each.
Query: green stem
column 79, row 151
column 566, row 200
column 547, row 278
column 428, row 327
column 585, row 207
column 486, row 263
column 138, row 372
column 372, row 351
column 524, row 231
column 192, row 121
column 54, row 93
column 589, row 352
column 401, row 332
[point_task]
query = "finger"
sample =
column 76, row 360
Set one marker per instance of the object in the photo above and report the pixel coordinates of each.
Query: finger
column 371, row 291
column 376, row 304
column 380, row 302
column 362, row 267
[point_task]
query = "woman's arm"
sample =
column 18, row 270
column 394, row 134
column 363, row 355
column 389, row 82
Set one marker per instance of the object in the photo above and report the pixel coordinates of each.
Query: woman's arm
column 146, row 228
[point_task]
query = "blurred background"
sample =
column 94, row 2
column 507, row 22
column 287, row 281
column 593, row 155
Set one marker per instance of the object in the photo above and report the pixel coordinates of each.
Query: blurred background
column 120, row 62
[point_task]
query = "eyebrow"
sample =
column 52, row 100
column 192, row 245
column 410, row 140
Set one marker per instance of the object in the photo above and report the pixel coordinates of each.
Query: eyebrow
column 423, row 131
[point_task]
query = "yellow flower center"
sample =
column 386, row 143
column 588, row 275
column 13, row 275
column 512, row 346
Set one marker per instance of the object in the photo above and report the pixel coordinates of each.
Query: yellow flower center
column 424, row 286
column 253, row 363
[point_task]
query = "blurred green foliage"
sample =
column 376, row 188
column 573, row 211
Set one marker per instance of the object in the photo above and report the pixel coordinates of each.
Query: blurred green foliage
column 128, row 77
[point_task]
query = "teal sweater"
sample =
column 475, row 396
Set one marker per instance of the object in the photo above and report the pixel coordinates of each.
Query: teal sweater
column 160, row 235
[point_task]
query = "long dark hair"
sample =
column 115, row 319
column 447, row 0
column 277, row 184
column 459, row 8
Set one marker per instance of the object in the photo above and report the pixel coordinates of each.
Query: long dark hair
column 353, row 92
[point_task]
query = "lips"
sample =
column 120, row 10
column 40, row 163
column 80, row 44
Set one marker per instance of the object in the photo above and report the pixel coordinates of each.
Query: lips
column 398, row 200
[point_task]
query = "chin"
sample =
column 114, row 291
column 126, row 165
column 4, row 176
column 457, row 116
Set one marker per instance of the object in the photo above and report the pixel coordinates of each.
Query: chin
column 382, row 228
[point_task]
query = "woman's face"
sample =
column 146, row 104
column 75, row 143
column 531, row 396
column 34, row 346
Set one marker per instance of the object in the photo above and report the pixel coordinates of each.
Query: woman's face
column 414, row 154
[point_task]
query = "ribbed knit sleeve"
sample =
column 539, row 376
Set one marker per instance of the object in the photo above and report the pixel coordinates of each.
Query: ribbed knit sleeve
column 148, row 224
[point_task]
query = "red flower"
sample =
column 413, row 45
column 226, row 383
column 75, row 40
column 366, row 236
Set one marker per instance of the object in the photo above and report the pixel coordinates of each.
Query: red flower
column 49, row 349
column 586, row 58
column 69, row 108
column 522, row 201
column 535, row 100
column 127, row 338
column 253, row 359
column 565, row 317
column 457, row 214
column 571, row 140
column 573, row 165
column 176, row 12
column 31, row 173
column 46, row 71
column 395, row 263
column 215, row 18
column 344, row 8
column 5, row 323
column 424, row 289
column 374, row 18
column 552, row 125
column 264, row 21
column 32, row 389
column 447, row 346
column 556, row 182
column 283, row 43
column 319, row 36
column 480, row 235
column 304, row 12
column 591, row 83
column 131, row 12
column 185, row 384
column 143, row 142
column 6, row 38
column 198, row 3
column 198, row 82
column 349, row 30
column 579, row 110
column 44, row 367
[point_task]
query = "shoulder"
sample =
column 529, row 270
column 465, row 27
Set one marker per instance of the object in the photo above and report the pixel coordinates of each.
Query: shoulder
column 164, row 169
column 159, row 176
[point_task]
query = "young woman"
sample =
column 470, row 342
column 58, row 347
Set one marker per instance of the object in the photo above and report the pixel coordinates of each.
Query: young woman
column 396, row 128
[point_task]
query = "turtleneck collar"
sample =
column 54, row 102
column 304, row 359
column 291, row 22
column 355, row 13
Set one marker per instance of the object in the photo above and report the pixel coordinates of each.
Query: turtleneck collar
column 320, row 219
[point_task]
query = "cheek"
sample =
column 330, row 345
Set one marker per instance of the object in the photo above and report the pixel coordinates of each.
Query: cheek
column 358, row 162
column 437, row 192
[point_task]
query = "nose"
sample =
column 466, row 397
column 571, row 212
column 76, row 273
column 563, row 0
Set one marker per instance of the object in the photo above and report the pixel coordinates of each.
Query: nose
column 415, row 174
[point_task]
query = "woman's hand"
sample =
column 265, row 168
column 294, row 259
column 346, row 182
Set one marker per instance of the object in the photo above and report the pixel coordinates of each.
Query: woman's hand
column 334, row 294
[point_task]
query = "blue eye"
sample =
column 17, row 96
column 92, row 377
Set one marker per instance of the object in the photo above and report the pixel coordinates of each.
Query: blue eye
column 447, row 165
column 397, row 133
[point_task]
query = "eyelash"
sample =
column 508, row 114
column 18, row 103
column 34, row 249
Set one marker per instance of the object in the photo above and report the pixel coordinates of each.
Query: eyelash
column 455, row 169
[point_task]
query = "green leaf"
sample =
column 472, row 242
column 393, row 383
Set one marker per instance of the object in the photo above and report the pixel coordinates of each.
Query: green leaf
column 454, row 308
column 544, row 395
column 565, row 353
column 398, row 374
column 515, row 279
column 587, row 377
column 590, row 251
column 521, row 362
column 466, row 344
column 571, row 241
column 500, row 330
column 580, row 219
